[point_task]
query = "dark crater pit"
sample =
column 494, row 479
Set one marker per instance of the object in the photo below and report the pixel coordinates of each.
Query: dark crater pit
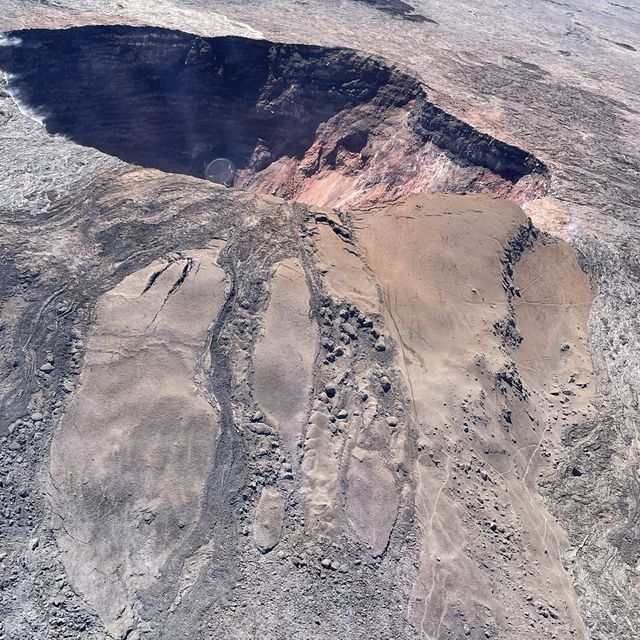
column 177, row 102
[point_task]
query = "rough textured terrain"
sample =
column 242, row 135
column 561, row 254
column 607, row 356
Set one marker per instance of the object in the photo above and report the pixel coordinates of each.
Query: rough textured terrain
column 358, row 395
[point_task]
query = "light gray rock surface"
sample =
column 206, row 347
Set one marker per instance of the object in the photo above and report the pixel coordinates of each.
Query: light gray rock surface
column 493, row 441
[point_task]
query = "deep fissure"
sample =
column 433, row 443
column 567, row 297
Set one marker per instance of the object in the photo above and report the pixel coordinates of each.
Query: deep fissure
column 288, row 119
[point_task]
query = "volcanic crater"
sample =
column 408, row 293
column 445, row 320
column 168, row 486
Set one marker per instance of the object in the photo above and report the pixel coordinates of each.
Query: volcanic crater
column 325, row 126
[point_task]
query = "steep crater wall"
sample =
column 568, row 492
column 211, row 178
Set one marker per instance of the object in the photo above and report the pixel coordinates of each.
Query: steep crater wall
column 285, row 116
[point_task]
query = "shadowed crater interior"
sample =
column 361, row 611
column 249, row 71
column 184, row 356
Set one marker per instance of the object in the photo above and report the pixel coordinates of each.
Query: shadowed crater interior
column 212, row 107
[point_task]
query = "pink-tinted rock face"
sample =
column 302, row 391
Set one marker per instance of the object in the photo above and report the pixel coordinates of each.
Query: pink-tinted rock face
column 363, row 156
column 293, row 119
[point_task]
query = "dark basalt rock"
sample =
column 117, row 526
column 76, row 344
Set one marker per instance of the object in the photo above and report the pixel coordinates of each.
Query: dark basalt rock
column 399, row 9
column 470, row 145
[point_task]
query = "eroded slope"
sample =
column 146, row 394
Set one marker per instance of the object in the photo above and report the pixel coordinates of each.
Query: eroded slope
column 465, row 333
column 131, row 457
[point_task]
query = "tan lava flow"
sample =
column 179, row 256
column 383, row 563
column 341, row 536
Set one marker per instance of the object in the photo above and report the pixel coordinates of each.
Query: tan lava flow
column 131, row 456
column 489, row 411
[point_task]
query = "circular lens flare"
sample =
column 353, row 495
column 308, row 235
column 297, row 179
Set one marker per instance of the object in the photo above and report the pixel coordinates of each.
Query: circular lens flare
column 221, row 171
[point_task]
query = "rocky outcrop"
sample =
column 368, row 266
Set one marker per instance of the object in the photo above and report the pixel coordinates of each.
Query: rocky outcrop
column 468, row 145
column 268, row 521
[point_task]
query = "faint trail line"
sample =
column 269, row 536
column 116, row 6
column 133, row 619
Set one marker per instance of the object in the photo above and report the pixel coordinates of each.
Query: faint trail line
column 444, row 613
column 544, row 273
column 420, row 483
column 433, row 573
column 526, row 471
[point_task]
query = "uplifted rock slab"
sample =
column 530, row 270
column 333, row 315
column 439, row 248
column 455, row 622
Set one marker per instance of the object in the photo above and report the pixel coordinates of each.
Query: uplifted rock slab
column 344, row 273
column 285, row 352
column 267, row 525
column 130, row 458
column 372, row 499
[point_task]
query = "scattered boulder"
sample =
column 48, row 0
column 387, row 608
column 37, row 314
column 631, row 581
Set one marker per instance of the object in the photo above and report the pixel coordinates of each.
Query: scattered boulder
column 350, row 330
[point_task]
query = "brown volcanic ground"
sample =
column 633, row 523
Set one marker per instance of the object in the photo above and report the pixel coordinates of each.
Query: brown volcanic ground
column 237, row 413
